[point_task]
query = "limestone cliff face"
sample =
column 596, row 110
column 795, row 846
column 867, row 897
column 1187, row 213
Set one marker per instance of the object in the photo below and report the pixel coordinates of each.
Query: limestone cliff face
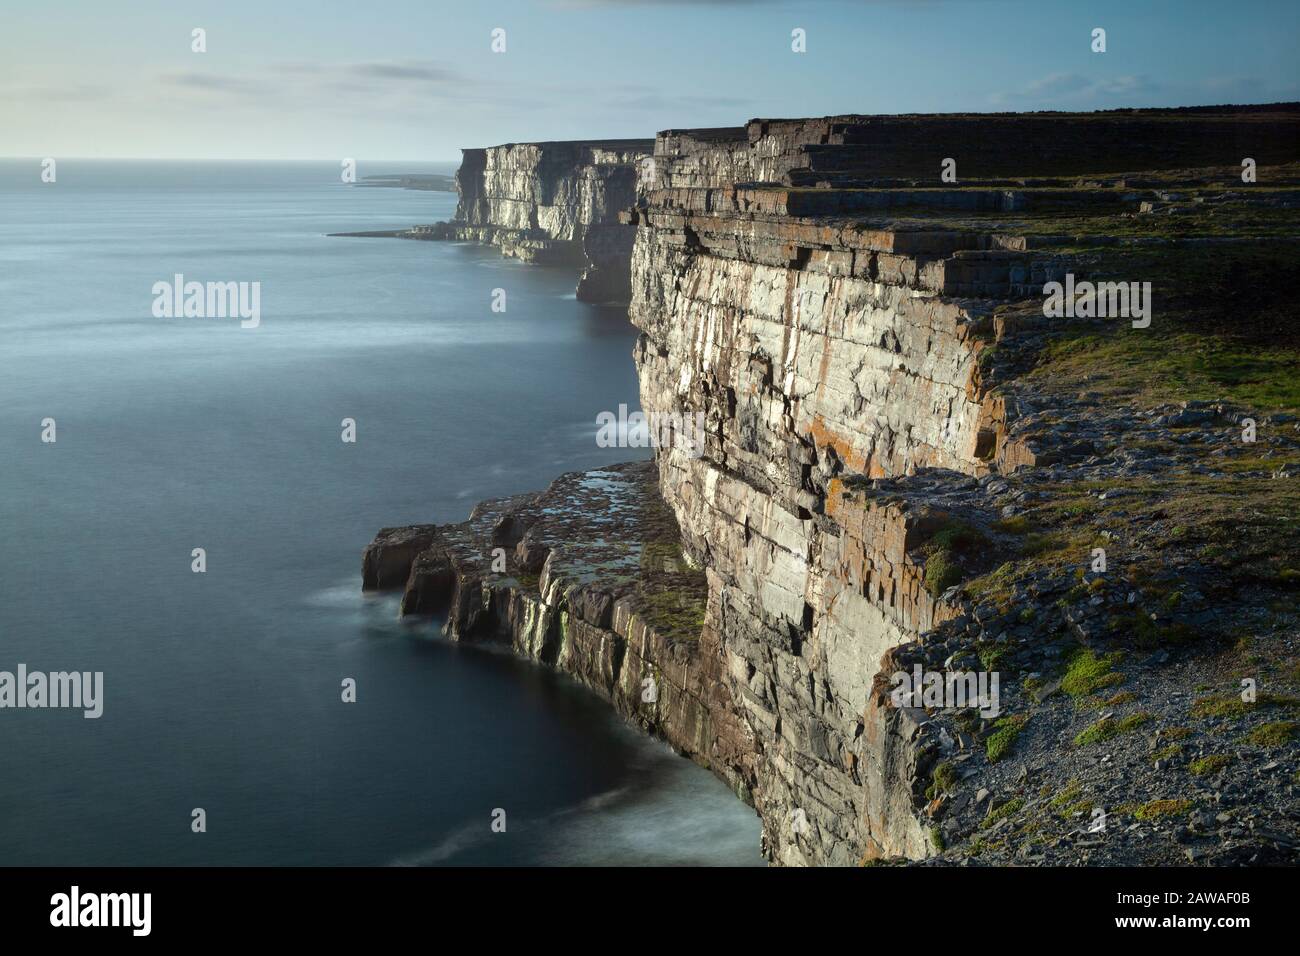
column 555, row 202
column 829, row 323
column 855, row 332
column 816, row 351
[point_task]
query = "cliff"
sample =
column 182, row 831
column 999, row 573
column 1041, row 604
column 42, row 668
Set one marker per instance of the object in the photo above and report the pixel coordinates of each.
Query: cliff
column 908, row 464
column 557, row 203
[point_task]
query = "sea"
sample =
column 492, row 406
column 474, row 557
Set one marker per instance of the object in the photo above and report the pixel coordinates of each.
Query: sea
column 223, row 689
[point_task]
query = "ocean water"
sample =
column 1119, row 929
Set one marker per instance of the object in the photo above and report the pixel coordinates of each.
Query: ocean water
column 222, row 689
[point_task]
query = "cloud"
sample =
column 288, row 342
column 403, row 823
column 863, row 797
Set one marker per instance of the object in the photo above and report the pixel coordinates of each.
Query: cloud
column 409, row 71
column 1074, row 91
column 638, row 97
column 213, row 83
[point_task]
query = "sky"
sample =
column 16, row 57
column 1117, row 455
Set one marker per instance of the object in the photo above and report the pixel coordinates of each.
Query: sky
column 418, row 79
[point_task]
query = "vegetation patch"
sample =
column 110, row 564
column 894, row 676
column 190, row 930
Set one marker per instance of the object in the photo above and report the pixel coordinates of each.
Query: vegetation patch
column 1163, row 809
column 673, row 613
column 1109, row 727
column 942, row 779
column 1002, row 812
column 1208, row 765
column 1086, row 673
column 1003, row 738
column 936, row 839
column 941, row 572
column 944, row 549
column 1275, row 734
column 1230, row 706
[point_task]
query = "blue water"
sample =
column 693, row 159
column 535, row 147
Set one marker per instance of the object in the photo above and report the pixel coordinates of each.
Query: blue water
column 222, row 689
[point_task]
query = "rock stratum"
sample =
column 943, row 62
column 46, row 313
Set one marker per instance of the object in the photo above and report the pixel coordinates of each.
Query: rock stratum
column 908, row 464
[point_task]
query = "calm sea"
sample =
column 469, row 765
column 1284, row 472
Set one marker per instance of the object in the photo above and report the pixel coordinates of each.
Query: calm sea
column 222, row 689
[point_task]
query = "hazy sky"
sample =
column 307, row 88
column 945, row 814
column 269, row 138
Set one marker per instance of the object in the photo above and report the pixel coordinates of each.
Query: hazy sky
column 417, row 79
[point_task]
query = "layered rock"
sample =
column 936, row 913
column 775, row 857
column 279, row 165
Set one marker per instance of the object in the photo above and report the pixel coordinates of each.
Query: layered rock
column 587, row 577
column 555, row 202
column 857, row 335
column 833, row 335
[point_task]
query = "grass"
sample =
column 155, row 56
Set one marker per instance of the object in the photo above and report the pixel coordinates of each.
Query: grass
column 1002, row 812
column 1230, row 706
column 1275, row 734
column 1208, row 765
column 1109, row 727
column 1003, row 738
column 1067, row 803
column 1018, row 524
column 941, row 572
column 944, row 549
column 1086, row 673
column 936, row 840
column 1163, row 809
column 1215, row 330
column 942, row 779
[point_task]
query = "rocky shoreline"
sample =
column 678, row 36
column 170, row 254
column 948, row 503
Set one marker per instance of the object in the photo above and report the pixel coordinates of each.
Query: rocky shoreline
column 906, row 462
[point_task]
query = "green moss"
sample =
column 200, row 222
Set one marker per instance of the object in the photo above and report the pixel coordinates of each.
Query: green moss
column 673, row 613
column 1109, row 727
column 996, row 585
column 1275, row 734
column 1067, row 796
column 1168, row 753
column 1207, row 765
column 1163, row 809
column 942, row 779
column 957, row 535
column 942, row 566
column 1086, row 673
column 1003, row 738
column 990, row 654
column 1002, row 812
column 936, row 839
column 1229, row 706
column 941, row 572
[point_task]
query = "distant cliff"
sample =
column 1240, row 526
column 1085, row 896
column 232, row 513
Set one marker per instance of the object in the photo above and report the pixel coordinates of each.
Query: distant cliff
column 556, row 202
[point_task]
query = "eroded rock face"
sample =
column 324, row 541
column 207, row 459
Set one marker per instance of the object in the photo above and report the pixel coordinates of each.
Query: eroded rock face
column 557, row 203
column 855, row 334
column 816, row 351
column 831, row 336
column 587, row 577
